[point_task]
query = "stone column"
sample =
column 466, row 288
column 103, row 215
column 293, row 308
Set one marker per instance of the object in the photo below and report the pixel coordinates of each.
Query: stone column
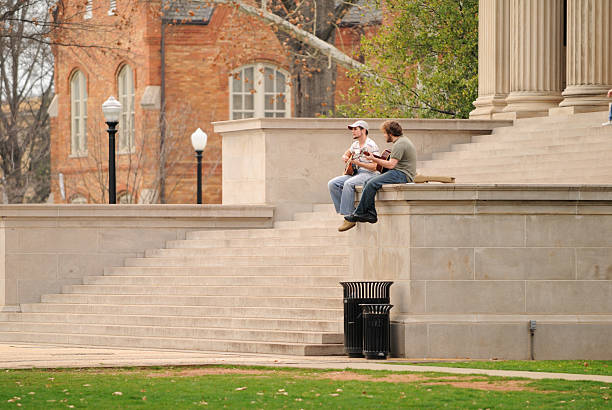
column 536, row 57
column 493, row 58
column 589, row 54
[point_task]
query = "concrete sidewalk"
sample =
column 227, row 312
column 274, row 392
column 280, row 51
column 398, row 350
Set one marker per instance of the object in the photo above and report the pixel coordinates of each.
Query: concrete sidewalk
column 27, row 356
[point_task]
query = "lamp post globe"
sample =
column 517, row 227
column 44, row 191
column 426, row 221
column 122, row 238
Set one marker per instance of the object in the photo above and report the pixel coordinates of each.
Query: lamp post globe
column 112, row 111
column 198, row 141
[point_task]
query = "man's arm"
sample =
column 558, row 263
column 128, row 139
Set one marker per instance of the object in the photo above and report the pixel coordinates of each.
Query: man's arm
column 390, row 164
column 367, row 165
column 346, row 155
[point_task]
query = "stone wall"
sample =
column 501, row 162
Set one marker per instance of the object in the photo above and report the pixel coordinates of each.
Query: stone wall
column 43, row 247
column 287, row 162
column 472, row 265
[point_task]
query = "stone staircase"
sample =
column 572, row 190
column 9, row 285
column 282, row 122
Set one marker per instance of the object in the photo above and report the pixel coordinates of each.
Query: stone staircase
column 258, row 291
column 563, row 149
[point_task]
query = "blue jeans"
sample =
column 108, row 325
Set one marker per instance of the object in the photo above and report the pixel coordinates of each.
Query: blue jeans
column 610, row 115
column 366, row 205
column 342, row 190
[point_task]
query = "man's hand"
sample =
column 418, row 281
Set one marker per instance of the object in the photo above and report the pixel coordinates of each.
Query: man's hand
column 609, row 93
column 345, row 158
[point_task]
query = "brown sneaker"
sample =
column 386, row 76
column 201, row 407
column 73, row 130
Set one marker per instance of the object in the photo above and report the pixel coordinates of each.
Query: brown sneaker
column 346, row 225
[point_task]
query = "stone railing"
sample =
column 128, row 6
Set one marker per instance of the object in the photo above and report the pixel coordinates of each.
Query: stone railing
column 43, row 247
column 287, row 162
column 473, row 264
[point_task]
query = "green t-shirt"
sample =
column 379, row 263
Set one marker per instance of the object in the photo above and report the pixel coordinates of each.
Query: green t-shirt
column 403, row 150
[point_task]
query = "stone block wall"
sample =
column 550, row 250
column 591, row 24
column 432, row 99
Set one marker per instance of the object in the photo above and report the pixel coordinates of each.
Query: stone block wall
column 472, row 265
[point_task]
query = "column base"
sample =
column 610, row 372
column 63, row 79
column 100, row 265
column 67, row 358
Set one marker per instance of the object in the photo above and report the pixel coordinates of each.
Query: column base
column 528, row 104
column 593, row 96
column 487, row 106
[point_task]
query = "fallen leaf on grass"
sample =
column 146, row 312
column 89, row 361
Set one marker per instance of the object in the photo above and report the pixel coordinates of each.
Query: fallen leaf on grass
column 117, row 393
column 241, row 388
column 334, row 394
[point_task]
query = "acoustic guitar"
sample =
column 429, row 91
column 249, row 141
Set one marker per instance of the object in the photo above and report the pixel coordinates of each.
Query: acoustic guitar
column 349, row 169
column 386, row 154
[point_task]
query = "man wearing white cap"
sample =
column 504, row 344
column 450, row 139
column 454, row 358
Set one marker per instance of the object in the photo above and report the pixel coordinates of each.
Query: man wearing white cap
column 342, row 188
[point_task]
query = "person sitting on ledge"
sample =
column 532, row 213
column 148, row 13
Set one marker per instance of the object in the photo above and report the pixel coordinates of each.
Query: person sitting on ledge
column 401, row 167
column 610, row 115
column 358, row 169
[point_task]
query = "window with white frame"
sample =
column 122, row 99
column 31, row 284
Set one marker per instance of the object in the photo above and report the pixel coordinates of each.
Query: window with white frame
column 113, row 8
column 259, row 90
column 88, row 10
column 125, row 197
column 78, row 199
column 78, row 114
column 125, row 86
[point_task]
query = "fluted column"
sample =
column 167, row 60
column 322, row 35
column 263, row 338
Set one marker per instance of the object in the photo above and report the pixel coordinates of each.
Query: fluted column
column 589, row 53
column 493, row 57
column 536, row 57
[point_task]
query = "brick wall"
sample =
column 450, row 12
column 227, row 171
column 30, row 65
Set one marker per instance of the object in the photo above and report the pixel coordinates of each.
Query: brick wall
column 198, row 59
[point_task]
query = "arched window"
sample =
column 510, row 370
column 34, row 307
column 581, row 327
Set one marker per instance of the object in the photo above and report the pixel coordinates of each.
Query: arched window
column 78, row 199
column 125, row 197
column 125, row 86
column 78, row 114
column 259, row 90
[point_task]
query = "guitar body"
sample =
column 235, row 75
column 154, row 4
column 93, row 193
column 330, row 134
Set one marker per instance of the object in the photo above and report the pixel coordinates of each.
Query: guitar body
column 349, row 169
column 386, row 154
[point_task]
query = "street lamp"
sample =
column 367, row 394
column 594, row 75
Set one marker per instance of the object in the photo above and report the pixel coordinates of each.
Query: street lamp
column 111, row 109
column 198, row 140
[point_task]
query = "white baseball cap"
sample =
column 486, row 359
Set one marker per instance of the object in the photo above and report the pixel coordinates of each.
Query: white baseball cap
column 359, row 123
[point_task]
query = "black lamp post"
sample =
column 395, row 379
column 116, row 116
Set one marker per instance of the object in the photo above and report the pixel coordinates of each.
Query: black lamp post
column 111, row 109
column 198, row 140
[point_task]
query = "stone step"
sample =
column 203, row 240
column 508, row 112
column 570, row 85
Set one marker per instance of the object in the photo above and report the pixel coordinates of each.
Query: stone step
column 290, row 251
column 529, row 153
column 325, row 223
column 528, row 141
column 556, row 122
column 225, row 333
column 527, row 176
column 194, row 300
column 293, row 232
column 244, row 270
column 329, row 208
column 298, row 290
column 529, row 159
column 333, row 326
column 261, row 242
column 549, row 163
column 308, row 260
column 225, row 312
column 329, row 215
column 540, row 134
column 185, row 280
column 297, row 349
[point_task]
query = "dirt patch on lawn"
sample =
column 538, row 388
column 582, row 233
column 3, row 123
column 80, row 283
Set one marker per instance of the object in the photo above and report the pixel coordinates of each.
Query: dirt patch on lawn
column 462, row 382
column 210, row 371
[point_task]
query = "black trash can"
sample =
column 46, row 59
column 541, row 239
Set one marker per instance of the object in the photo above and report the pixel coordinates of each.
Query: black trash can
column 356, row 293
column 376, row 331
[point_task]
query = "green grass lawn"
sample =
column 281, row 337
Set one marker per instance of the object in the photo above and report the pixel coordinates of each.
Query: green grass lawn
column 250, row 387
column 599, row 367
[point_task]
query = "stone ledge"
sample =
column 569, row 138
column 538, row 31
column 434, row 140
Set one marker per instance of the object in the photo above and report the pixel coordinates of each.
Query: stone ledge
column 493, row 192
column 136, row 211
column 340, row 123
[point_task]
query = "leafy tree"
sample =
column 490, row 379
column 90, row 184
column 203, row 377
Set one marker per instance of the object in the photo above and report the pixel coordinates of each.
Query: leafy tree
column 425, row 59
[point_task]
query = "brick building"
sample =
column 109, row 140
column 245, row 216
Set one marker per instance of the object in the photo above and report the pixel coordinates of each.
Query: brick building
column 200, row 64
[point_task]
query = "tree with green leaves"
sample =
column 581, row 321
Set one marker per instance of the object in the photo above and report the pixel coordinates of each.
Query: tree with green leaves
column 425, row 60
